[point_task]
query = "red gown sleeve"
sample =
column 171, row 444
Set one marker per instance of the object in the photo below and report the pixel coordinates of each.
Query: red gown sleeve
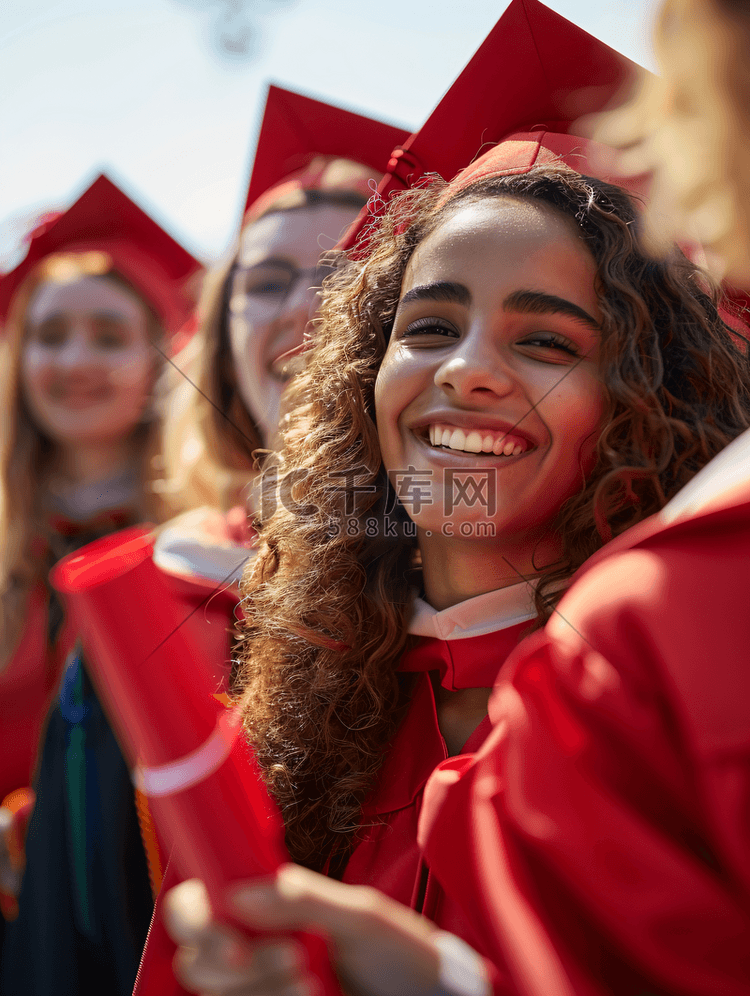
column 27, row 684
column 600, row 838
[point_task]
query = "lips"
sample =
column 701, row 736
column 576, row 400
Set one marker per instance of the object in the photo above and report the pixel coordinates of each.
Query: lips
column 80, row 399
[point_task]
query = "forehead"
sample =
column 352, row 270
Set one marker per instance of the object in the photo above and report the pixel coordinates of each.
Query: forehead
column 299, row 235
column 82, row 295
column 503, row 237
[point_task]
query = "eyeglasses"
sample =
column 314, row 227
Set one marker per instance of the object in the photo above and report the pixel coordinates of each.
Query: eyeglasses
column 273, row 281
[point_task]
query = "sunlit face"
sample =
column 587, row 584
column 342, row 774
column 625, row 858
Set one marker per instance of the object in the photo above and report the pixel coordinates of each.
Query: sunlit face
column 87, row 367
column 490, row 384
column 272, row 300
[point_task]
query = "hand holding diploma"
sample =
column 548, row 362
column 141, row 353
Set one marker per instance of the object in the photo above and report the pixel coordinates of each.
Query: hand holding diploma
column 191, row 760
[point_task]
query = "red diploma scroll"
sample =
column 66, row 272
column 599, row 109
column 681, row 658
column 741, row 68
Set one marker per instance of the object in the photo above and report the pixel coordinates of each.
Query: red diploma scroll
column 191, row 760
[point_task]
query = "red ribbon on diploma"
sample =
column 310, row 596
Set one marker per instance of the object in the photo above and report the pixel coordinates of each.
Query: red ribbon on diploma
column 148, row 664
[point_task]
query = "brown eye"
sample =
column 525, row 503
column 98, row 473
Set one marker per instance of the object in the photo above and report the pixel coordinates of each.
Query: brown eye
column 263, row 281
column 51, row 332
column 550, row 340
column 429, row 326
column 110, row 333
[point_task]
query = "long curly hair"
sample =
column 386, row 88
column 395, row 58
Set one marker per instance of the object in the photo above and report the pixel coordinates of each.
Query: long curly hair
column 327, row 599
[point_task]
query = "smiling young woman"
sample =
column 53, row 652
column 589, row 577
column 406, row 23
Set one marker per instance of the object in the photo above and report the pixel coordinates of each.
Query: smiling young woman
column 87, row 317
column 506, row 325
column 492, row 369
column 518, row 308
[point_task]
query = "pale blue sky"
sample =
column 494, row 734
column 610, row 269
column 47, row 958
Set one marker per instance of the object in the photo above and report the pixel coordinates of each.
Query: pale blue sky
column 135, row 87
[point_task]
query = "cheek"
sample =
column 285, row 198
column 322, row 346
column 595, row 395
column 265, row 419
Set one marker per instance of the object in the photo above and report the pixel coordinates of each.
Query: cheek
column 400, row 381
column 588, row 413
column 133, row 372
column 386, row 415
column 36, row 368
column 244, row 343
column 33, row 359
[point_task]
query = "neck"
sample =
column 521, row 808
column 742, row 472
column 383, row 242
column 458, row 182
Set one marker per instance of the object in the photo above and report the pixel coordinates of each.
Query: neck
column 456, row 569
column 93, row 462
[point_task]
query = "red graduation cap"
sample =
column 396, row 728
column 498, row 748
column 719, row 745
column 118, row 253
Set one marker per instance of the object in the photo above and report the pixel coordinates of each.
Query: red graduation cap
column 297, row 131
column 104, row 219
column 535, row 74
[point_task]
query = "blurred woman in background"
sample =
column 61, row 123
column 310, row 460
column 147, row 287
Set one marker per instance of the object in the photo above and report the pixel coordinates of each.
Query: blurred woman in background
column 314, row 169
column 89, row 314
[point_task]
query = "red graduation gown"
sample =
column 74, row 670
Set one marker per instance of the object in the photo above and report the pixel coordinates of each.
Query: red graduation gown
column 30, row 679
column 600, row 838
column 388, row 857
column 27, row 685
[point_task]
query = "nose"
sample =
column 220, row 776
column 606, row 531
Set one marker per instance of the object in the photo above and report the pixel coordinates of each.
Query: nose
column 77, row 352
column 297, row 308
column 476, row 369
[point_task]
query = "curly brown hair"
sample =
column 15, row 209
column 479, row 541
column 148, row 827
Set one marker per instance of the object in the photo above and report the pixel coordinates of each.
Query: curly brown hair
column 326, row 607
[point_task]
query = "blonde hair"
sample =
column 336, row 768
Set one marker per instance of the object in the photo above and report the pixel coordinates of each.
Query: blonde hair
column 26, row 452
column 691, row 128
column 209, row 436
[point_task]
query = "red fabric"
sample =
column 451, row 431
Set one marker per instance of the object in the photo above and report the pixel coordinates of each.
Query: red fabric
column 297, row 129
column 27, row 685
column 535, row 71
column 388, row 856
column 104, row 219
column 600, row 838
column 520, row 152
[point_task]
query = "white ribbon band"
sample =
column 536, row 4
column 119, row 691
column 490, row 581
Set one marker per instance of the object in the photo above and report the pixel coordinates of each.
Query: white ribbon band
column 164, row 779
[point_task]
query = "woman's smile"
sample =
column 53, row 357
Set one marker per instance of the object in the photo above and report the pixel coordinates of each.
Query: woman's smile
column 493, row 365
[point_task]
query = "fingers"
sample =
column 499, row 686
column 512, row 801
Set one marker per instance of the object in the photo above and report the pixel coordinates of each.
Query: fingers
column 379, row 946
column 224, row 969
column 299, row 899
column 187, row 911
column 213, row 958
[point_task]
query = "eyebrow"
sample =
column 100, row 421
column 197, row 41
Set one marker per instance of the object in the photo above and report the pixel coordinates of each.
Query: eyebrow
column 441, row 290
column 527, row 302
column 95, row 313
column 285, row 264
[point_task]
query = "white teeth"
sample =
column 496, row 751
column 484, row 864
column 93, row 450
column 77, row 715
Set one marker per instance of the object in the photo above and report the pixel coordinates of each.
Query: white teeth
column 473, row 443
column 457, row 440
